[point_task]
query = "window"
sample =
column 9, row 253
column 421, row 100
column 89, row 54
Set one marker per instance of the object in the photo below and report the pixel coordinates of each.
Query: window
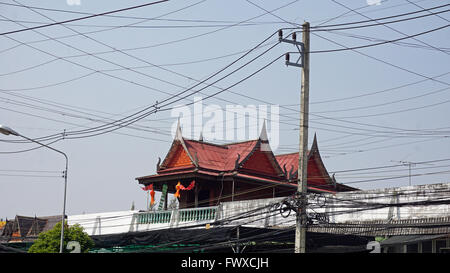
column 395, row 249
column 442, row 243
column 427, row 247
column 412, row 248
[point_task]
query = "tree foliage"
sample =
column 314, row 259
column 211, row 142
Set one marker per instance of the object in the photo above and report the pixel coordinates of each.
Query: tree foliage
column 48, row 242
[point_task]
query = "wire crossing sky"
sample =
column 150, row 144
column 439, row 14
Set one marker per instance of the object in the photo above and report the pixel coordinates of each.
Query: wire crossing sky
column 100, row 81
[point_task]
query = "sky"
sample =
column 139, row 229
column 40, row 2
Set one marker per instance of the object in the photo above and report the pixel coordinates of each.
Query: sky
column 379, row 106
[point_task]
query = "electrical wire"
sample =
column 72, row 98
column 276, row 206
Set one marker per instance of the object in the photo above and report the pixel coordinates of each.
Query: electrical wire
column 82, row 18
column 376, row 19
column 380, row 43
column 154, row 106
column 383, row 61
column 372, row 39
column 393, row 29
column 163, row 43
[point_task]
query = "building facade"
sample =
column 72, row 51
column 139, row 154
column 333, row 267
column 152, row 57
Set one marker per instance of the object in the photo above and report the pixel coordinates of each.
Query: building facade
column 205, row 174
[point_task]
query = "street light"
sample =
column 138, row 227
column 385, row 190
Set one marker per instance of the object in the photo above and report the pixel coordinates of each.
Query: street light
column 406, row 163
column 8, row 131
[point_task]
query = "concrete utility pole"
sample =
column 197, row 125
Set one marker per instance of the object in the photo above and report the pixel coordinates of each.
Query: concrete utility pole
column 300, row 231
column 303, row 48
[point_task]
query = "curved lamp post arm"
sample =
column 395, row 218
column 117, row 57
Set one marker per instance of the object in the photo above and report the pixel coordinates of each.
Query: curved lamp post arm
column 65, row 185
column 8, row 131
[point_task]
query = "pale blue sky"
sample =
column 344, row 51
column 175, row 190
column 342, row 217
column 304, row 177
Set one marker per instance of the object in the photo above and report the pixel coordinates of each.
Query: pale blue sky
column 357, row 131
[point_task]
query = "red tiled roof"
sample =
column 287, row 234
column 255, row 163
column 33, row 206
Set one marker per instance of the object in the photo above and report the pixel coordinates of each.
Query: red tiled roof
column 171, row 172
column 253, row 177
column 209, row 156
column 290, row 160
column 218, row 157
column 213, row 159
column 242, row 148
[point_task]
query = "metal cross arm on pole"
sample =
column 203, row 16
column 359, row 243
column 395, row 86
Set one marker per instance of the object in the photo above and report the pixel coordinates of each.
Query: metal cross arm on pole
column 293, row 41
column 299, row 62
column 8, row 131
column 300, row 47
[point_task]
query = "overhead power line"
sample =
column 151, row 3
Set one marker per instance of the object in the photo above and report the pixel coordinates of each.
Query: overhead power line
column 393, row 29
column 200, row 82
column 130, row 119
column 380, row 43
column 83, row 18
column 383, row 61
column 249, row 24
column 390, row 166
column 403, row 44
column 380, row 18
column 419, row 6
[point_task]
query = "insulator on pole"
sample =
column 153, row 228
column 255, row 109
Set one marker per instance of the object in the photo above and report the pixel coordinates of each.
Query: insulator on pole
column 294, row 36
column 287, row 57
column 280, row 34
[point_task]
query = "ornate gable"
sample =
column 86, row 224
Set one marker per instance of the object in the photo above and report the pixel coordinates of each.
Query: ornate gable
column 261, row 159
column 179, row 158
column 178, row 155
column 259, row 162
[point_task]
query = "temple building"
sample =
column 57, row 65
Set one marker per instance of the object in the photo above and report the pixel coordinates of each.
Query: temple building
column 204, row 174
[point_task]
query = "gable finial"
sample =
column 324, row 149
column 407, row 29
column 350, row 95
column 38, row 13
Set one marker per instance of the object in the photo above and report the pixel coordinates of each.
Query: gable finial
column 263, row 134
column 264, row 139
column 178, row 134
column 201, row 136
column 158, row 165
column 314, row 148
column 333, row 180
column 236, row 163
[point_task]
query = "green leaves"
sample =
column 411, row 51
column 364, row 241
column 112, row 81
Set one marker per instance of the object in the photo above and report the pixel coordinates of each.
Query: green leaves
column 48, row 242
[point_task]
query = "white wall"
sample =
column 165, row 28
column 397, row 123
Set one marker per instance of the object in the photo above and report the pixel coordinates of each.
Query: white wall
column 105, row 222
column 240, row 212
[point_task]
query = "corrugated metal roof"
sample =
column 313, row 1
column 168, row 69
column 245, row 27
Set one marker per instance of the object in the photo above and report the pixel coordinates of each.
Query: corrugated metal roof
column 408, row 239
column 420, row 226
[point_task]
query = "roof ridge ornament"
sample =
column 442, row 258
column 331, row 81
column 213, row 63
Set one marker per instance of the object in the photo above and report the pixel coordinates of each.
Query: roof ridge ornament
column 264, row 138
column 314, row 144
column 285, row 171
column 333, row 180
column 178, row 134
column 236, row 163
column 292, row 173
column 263, row 134
column 158, row 165
column 196, row 159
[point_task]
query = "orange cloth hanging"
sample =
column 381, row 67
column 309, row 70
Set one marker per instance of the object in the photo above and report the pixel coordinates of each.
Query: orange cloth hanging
column 181, row 187
column 190, row 187
column 148, row 187
column 178, row 187
column 152, row 193
column 152, row 196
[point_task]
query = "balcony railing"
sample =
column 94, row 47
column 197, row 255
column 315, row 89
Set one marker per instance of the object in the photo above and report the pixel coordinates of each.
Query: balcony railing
column 154, row 217
column 197, row 214
column 174, row 217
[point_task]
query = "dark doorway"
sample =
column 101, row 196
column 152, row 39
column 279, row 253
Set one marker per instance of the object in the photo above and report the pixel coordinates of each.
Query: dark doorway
column 203, row 198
